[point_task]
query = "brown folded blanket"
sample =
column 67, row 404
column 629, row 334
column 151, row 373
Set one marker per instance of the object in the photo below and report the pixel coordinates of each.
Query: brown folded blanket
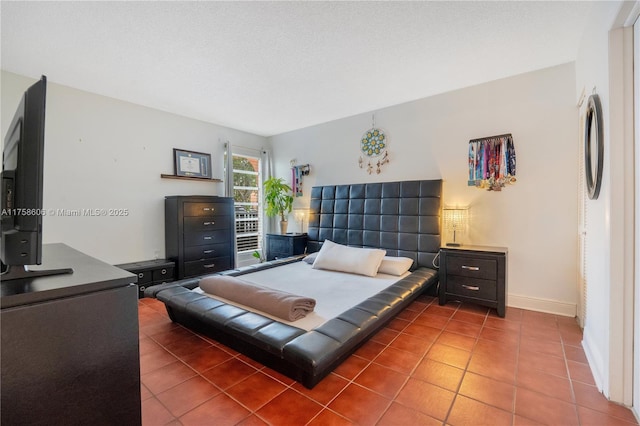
column 280, row 304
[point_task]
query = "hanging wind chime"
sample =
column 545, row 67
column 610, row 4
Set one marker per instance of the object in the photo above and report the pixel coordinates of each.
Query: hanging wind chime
column 373, row 146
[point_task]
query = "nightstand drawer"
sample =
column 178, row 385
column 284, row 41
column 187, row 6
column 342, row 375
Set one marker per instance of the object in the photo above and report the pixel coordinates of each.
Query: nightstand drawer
column 471, row 267
column 162, row 274
column 206, row 252
column 472, row 287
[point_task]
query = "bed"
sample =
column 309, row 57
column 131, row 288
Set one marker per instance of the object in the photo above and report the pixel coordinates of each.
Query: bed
column 402, row 218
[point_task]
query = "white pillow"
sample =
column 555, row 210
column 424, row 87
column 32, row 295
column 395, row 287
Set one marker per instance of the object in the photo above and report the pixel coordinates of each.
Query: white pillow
column 310, row 258
column 337, row 257
column 395, row 265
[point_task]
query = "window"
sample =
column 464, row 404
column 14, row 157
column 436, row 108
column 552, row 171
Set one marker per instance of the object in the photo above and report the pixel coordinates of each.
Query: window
column 246, row 193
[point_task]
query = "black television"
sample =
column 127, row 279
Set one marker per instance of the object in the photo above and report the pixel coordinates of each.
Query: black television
column 22, row 180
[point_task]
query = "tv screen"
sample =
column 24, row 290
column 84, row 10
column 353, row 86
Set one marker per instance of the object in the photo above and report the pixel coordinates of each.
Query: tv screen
column 22, row 179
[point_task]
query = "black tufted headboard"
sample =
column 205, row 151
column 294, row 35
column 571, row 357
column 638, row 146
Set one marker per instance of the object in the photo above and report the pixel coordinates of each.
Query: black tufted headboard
column 400, row 217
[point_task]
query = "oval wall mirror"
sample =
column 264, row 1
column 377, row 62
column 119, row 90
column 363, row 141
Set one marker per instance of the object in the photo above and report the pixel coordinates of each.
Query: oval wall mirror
column 593, row 147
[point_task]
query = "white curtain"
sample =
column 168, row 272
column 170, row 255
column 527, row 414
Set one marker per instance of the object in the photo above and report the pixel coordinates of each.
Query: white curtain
column 269, row 223
column 228, row 187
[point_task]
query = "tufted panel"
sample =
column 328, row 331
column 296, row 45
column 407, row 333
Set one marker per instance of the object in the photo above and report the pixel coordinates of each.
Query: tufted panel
column 401, row 217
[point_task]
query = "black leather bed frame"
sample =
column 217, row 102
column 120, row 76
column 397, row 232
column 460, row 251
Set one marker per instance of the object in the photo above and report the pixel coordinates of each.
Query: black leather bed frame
column 401, row 217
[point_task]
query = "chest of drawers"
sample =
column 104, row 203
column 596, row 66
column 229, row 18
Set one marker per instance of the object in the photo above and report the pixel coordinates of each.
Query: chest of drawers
column 476, row 274
column 199, row 234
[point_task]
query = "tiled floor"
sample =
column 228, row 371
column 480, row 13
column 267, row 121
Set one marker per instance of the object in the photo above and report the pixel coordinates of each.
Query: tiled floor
column 432, row 365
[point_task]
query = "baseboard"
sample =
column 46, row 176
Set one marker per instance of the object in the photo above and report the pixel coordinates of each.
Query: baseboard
column 542, row 305
column 594, row 358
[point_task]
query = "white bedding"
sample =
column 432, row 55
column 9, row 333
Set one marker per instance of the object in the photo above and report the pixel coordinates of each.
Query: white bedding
column 334, row 292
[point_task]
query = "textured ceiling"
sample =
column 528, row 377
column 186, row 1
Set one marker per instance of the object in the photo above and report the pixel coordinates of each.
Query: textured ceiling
column 272, row 67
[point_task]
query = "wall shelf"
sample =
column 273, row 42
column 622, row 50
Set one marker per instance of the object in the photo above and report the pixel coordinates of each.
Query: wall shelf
column 165, row 176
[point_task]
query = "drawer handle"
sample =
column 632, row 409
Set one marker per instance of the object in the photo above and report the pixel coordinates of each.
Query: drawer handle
column 212, row 265
column 141, row 274
column 164, row 271
column 208, row 223
column 471, row 268
column 209, row 209
column 471, row 287
column 207, row 251
column 208, row 238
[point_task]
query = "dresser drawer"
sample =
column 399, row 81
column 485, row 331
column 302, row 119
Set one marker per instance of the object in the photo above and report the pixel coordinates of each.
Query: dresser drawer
column 144, row 276
column 206, row 266
column 472, row 267
column 206, row 223
column 472, row 287
column 208, row 209
column 206, row 252
column 206, row 237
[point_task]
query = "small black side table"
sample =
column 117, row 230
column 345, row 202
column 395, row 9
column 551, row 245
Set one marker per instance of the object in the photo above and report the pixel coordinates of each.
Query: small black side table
column 150, row 272
column 475, row 274
column 285, row 245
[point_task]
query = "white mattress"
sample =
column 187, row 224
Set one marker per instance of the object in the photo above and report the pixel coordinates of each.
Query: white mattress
column 334, row 292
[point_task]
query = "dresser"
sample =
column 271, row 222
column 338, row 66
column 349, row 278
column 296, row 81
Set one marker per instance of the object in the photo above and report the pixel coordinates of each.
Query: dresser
column 199, row 234
column 476, row 274
column 70, row 344
column 284, row 245
column 150, row 272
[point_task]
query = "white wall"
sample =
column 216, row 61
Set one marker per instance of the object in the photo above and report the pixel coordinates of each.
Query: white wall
column 599, row 69
column 428, row 139
column 105, row 153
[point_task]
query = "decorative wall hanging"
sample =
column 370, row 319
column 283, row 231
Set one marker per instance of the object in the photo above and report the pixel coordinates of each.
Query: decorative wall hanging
column 297, row 173
column 492, row 162
column 373, row 146
column 191, row 163
column 593, row 147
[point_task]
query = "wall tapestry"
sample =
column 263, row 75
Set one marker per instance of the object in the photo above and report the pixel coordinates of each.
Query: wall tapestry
column 373, row 145
column 492, row 162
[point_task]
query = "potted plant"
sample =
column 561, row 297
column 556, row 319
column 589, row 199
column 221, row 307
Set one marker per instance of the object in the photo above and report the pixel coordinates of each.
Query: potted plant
column 278, row 200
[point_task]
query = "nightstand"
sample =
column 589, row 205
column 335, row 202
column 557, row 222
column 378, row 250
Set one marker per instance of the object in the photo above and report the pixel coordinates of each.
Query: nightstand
column 476, row 274
column 285, row 245
column 150, row 272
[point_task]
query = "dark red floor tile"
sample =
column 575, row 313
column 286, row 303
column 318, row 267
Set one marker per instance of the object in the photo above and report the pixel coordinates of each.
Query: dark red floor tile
column 326, row 390
column 467, row 411
column 449, row 355
column 187, row 395
column 255, row 391
column 167, row 377
column 289, row 408
column 218, row 411
column 351, row 367
column 488, row 390
column 360, row 405
column 395, row 359
column 370, row 350
column 469, row 317
column 546, row 384
column 529, row 361
column 545, row 409
column 589, row 417
column 206, row 358
column 329, row 418
column 580, row 372
column 385, row 336
column 431, row 320
column 229, row 373
column 439, row 374
column 382, row 380
column 459, row 341
column 413, row 344
column 588, row 396
column 153, row 360
column 154, row 413
column 399, row 415
column 426, row 398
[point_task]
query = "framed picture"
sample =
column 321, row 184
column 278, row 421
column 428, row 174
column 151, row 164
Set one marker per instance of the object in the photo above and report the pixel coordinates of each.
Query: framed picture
column 192, row 164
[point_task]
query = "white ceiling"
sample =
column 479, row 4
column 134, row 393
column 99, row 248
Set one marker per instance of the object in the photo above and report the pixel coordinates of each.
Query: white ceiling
column 272, row 67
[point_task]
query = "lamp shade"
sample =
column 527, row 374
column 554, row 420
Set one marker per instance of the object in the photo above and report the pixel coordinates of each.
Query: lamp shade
column 455, row 219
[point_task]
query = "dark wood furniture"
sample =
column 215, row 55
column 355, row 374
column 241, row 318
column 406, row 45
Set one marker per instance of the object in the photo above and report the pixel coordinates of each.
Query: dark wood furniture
column 150, row 272
column 69, row 344
column 280, row 246
column 475, row 274
column 199, row 234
